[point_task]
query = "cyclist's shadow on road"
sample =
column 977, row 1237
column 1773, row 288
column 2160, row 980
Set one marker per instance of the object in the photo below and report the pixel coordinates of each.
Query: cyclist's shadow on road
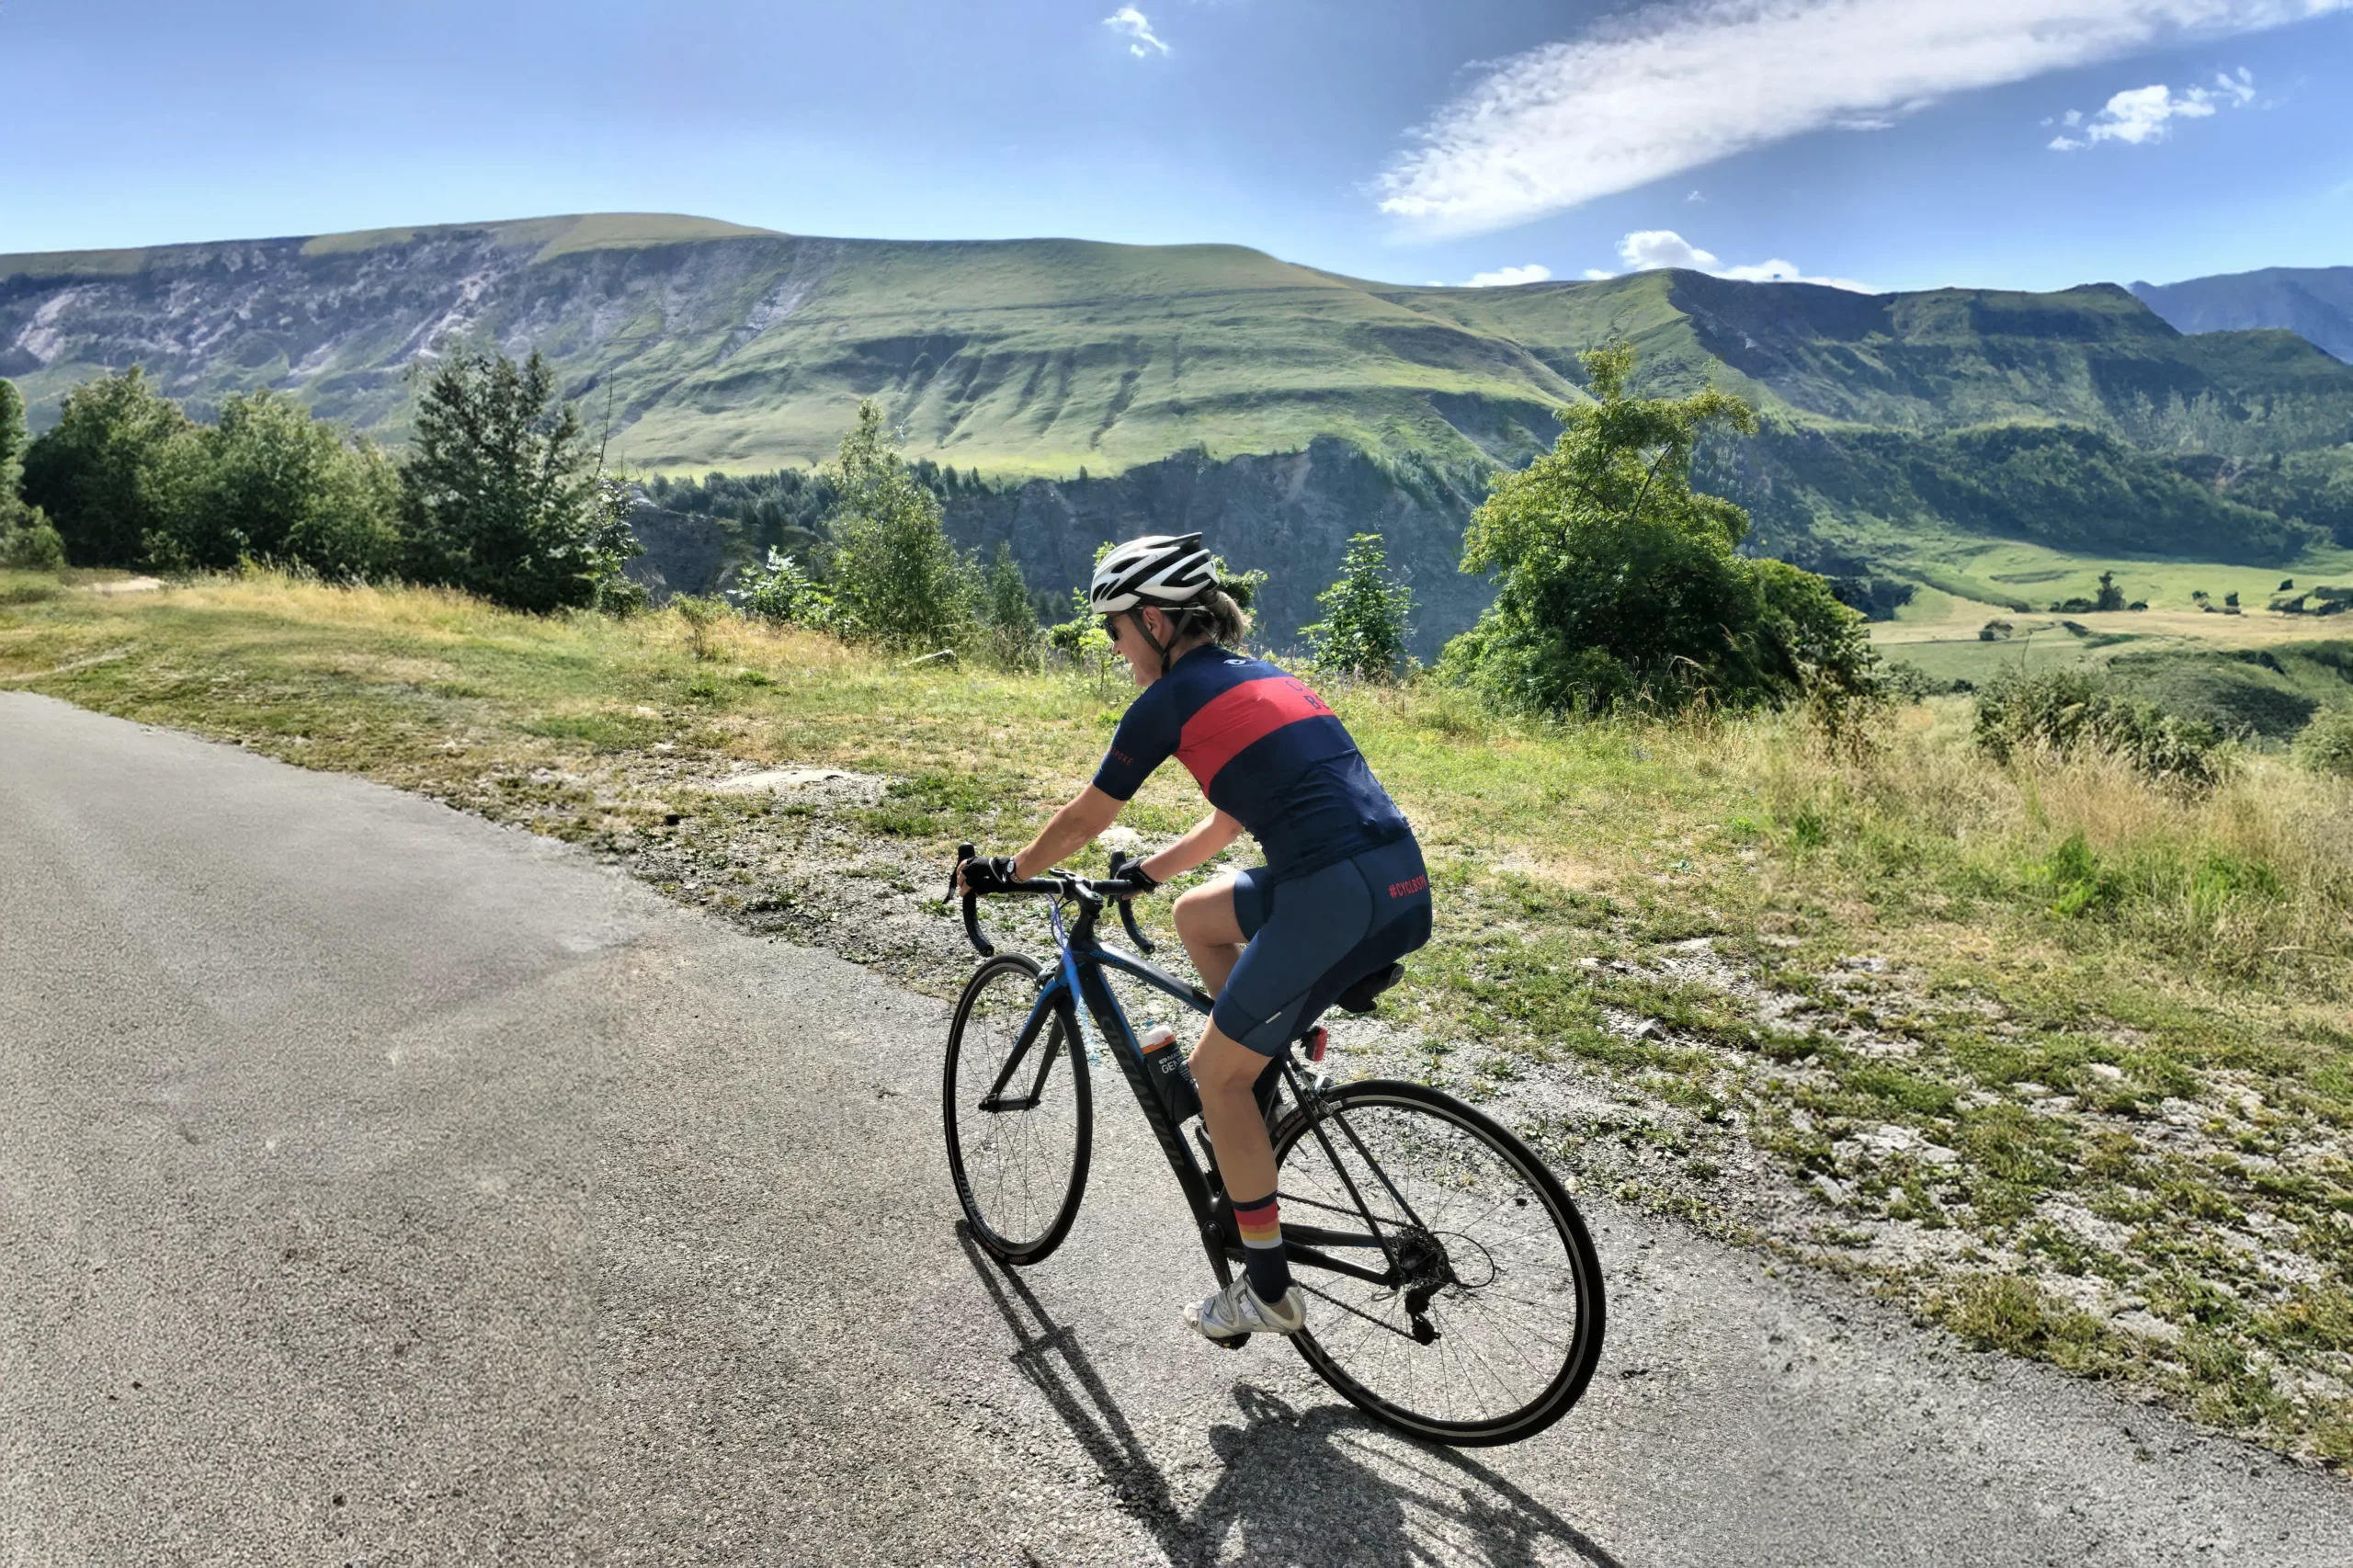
column 1294, row 1488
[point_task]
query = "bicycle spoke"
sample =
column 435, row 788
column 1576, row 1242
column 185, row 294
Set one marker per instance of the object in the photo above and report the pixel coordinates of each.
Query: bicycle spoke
column 1501, row 1331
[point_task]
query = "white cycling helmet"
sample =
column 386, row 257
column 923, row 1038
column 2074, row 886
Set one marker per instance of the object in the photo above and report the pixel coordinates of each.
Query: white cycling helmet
column 1167, row 569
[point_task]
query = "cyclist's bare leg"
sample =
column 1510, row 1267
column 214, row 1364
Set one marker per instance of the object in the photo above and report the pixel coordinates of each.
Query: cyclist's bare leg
column 1213, row 937
column 1224, row 1071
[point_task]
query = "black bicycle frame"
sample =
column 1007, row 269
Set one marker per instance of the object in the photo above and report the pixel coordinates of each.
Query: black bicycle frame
column 1078, row 977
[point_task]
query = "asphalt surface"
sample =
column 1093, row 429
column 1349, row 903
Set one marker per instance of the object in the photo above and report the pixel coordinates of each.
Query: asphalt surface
column 381, row 1186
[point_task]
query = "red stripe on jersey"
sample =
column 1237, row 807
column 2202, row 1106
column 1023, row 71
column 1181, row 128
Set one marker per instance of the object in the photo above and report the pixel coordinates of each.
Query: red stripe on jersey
column 1235, row 719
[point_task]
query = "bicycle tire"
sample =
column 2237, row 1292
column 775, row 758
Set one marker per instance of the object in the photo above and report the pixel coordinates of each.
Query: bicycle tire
column 1439, row 1148
column 1019, row 1217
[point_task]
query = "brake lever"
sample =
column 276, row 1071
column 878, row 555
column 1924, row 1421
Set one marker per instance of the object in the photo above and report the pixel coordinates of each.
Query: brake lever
column 980, row 944
column 1127, row 907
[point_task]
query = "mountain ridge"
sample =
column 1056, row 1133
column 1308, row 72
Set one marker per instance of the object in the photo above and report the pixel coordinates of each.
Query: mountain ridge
column 1158, row 387
column 2315, row 302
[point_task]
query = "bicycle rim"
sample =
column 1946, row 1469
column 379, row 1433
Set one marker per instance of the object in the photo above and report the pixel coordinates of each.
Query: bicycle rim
column 1510, row 1284
column 1019, row 1167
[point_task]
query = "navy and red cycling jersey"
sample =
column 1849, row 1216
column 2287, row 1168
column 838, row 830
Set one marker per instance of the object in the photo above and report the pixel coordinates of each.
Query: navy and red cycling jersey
column 1264, row 750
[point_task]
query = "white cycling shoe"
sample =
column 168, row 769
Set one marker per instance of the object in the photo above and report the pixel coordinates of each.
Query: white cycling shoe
column 1236, row 1311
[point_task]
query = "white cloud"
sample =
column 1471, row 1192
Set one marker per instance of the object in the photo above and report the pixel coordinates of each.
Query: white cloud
column 1137, row 27
column 1686, row 81
column 1505, row 276
column 2144, row 113
column 1646, row 250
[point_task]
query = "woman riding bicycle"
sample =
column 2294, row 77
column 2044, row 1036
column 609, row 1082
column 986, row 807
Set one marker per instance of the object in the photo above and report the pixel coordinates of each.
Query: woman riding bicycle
column 1343, row 894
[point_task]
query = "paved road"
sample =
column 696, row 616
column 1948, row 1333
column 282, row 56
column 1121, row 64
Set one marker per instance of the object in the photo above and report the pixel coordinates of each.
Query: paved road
column 380, row 1186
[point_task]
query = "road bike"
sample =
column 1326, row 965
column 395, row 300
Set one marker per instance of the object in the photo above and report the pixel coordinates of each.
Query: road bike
column 1454, row 1292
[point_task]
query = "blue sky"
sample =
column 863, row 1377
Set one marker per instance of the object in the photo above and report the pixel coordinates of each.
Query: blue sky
column 1897, row 143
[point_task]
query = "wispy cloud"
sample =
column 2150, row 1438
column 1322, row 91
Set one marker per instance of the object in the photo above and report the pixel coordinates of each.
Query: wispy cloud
column 1505, row 276
column 1686, row 81
column 1647, row 250
column 2146, row 114
column 1143, row 42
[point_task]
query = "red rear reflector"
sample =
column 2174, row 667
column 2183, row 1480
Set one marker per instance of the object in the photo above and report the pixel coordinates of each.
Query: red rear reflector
column 1315, row 1039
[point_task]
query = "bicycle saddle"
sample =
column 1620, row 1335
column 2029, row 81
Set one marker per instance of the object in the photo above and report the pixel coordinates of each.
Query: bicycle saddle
column 1365, row 994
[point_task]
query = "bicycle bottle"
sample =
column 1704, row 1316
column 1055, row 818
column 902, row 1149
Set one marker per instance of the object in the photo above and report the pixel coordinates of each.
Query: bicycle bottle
column 1171, row 1078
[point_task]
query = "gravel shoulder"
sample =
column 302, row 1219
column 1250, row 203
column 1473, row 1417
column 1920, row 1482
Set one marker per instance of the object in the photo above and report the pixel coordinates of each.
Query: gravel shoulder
column 389, row 1187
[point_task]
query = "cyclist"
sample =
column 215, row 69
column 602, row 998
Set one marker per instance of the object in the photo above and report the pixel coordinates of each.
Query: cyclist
column 1343, row 894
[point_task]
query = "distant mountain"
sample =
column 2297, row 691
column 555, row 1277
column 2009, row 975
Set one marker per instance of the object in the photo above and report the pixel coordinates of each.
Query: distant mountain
column 2314, row 302
column 1108, row 388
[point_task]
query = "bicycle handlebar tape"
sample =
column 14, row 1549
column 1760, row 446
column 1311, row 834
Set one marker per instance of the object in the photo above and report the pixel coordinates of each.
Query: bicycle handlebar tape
column 1132, row 871
column 980, row 944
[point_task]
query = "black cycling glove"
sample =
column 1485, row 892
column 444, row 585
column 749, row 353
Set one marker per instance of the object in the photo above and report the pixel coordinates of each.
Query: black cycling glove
column 988, row 873
column 1136, row 877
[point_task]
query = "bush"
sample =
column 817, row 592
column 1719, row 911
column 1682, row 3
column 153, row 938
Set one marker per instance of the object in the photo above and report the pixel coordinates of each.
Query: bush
column 2326, row 745
column 274, row 484
column 2068, row 712
column 500, row 493
column 896, row 577
column 1366, row 618
column 31, row 544
column 1618, row 584
column 116, row 470
column 779, row 590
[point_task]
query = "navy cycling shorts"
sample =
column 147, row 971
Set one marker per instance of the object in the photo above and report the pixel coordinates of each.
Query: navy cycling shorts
column 1312, row 936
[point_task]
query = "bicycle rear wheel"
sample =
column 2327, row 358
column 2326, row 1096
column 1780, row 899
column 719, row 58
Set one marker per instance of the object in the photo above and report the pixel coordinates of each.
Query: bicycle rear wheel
column 1487, row 1323
column 1021, row 1120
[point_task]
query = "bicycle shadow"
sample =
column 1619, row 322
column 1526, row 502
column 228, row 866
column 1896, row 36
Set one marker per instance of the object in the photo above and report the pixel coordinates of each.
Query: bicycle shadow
column 1293, row 1488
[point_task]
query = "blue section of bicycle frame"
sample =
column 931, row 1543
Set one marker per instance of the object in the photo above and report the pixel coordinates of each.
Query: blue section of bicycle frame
column 1077, row 968
column 1066, row 983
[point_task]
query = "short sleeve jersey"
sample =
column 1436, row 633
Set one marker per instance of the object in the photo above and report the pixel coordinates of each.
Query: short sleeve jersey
column 1264, row 750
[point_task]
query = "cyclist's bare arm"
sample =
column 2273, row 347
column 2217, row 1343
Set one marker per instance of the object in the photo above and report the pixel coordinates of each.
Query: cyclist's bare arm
column 1075, row 825
column 1201, row 841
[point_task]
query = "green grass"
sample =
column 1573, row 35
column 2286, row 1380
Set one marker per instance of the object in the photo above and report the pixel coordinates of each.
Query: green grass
column 2021, row 1046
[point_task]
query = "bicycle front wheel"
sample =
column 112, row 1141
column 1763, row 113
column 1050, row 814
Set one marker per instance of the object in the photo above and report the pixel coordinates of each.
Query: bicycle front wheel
column 1486, row 1322
column 1021, row 1118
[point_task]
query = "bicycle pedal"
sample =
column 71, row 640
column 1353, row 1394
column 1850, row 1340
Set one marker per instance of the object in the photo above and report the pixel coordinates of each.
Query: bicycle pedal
column 1236, row 1343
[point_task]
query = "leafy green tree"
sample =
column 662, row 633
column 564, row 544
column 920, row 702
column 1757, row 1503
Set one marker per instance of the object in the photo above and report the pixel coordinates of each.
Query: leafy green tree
column 275, row 484
column 1367, row 616
column 896, row 576
column 26, row 540
column 2111, row 596
column 1007, row 610
column 501, row 496
column 12, row 451
column 1617, row 584
column 116, row 470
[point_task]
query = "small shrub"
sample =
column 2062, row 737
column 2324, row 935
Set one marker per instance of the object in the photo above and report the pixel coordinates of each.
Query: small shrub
column 2326, row 745
column 1907, row 682
column 30, row 543
column 1366, row 618
column 780, row 590
column 2077, row 881
column 2066, row 711
column 702, row 615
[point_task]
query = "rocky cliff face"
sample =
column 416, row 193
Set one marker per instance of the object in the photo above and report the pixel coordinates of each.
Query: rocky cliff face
column 1287, row 514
